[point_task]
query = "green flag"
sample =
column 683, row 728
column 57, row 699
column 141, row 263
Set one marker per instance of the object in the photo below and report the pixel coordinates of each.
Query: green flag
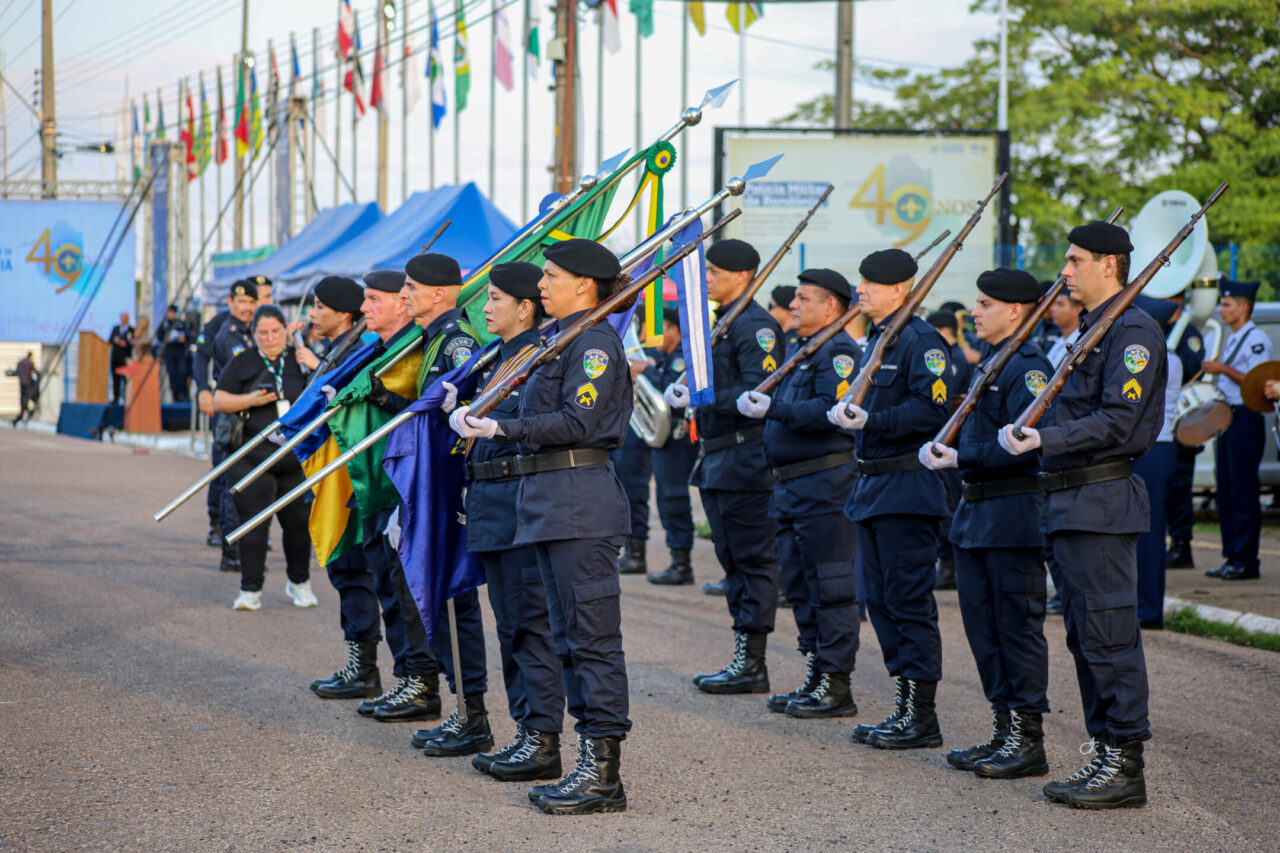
column 461, row 62
column 643, row 10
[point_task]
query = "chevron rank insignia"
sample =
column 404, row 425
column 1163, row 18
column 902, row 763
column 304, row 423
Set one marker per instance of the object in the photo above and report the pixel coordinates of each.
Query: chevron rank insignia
column 769, row 364
column 1132, row 391
column 842, row 388
column 939, row 391
column 587, row 395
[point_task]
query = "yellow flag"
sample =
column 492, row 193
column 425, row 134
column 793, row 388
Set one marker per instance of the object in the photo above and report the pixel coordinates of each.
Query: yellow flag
column 699, row 16
column 742, row 15
column 330, row 511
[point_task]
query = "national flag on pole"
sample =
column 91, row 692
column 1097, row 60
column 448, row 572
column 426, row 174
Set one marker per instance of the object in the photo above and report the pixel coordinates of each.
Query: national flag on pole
column 502, row 49
column 690, row 277
column 204, row 136
column 136, row 142
column 377, row 98
column 354, row 80
column 189, row 137
column 612, row 40
column 435, row 74
column 146, row 122
column 220, row 145
column 461, row 61
column 123, row 151
column 643, row 10
column 242, row 114
column 295, row 70
column 532, row 47
column 346, row 30
column 255, row 105
column 159, row 117
column 743, row 15
column 698, row 15
column 273, row 84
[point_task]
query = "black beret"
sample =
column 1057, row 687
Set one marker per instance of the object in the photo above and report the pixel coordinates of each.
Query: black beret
column 734, row 256
column 829, row 280
column 952, row 306
column 783, row 295
column 585, row 258
column 943, row 319
column 518, row 278
column 340, row 293
column 887, row 266
column 671, row 315
column 1009, row 285
column 1239, row 289
column 261, row 281
column 244, row 287
column 1104, row 238
column 268, row 310
column 388, row 281
column 434, row 270
column 1160, row 310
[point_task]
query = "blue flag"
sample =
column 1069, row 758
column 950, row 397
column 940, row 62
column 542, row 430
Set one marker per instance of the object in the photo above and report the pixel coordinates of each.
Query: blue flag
column 312, row 402
column 690, row 277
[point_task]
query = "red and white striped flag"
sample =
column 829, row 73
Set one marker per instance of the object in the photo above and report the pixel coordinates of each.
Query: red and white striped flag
column 502, row 59
column 377, row 97
column 346, row 30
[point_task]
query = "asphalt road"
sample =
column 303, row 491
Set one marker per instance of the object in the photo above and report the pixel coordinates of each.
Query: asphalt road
column 139, row 712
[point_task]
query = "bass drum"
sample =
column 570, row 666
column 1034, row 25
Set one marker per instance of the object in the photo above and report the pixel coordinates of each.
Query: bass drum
column 1202, row 415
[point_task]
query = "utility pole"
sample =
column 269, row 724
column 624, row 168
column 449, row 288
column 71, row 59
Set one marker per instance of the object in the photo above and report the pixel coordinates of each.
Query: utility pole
column 48, row 126
column 383, row 128
column 564, row 55
column 4, row 137
column 238, row 241
column 844, row 64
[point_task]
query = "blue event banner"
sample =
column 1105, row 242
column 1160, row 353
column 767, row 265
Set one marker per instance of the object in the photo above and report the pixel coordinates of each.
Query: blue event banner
column 49, row 252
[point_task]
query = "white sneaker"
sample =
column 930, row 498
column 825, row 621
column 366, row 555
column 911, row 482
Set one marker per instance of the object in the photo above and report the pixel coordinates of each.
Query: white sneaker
column 301, row 594
column 248, row 601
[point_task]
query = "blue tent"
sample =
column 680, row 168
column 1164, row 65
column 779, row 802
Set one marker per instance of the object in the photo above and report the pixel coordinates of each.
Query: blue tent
column 477, row 228
column 332, row 227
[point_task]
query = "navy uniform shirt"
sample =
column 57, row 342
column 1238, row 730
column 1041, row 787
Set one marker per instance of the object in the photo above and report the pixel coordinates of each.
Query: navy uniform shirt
column 247, row 372
column 581, row 399
column 792, row 342
column 233, row 338
column 491, row 504
column 797, row 429
column 1111, row 408
column 1012, row 521
column 961, row 372
column 172, row 334
column 1190, row 351
column 748, row 353
column 454, row 352
column 204, row 350
column 908, row 402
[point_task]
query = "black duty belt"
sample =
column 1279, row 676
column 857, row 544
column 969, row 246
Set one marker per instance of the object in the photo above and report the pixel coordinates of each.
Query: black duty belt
column 733, row 439
column 507, row 467
column 813, row 466
column 1057, row 481
column 892, row 465
column 1000, row 488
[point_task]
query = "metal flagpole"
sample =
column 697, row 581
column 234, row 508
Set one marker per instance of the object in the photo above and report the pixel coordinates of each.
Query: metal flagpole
column 220, row 128
column 458, row 691
column 1002, row 97
column 639, row 143
column 337, row 121
column 355, row 143
column 524, row 117
column 600, row 83
column 684, row 99
column 311, row 124
column 204, row 264
column 404, row 107
column 742, row 67
column 493, row 98
column 268, row 120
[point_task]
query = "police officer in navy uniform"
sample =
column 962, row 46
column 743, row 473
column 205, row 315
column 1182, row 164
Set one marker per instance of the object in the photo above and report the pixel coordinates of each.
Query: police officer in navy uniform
column 213, row 350
column 1000, row 573
column 1109, row 412
column 337, row 308
column 1179, row 508
column 898, row 505
column 732, row 472
column 780, row 300
column 1238, row 451
column 571, row 507
column 530, row 666
column 814, row 466
column 171, row 341
column 673, row 461
column 960, row 373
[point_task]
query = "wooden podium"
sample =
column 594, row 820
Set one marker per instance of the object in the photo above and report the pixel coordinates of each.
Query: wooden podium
column 93, row 369
column 142, row 399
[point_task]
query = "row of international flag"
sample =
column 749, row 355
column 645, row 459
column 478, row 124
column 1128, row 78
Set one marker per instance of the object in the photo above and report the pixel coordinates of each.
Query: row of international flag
column 206, row 134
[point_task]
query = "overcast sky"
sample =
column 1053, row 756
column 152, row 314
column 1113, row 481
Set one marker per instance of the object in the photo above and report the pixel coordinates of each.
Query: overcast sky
column 103, row 45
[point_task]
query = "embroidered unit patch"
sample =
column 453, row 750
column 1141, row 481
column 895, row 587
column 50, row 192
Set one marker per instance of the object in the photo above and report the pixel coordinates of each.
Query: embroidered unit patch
column 595, row 362
column 1136, row 358
column 843, row 365
column 936, row 361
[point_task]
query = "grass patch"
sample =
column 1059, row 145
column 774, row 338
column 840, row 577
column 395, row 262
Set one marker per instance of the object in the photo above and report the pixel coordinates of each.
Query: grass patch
column 1208, row 527
column 702, row 529
column 1187, row 622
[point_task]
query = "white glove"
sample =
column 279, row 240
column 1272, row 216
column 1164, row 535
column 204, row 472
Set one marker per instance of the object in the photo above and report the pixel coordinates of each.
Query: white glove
column 753, row 405
column 945, row 456
column 277, row 438
column 469, row 427
column 677, row 395
column 393, row 528
column 1012, row 444
column 450, row 401
column 838, row 416
column 329, row 393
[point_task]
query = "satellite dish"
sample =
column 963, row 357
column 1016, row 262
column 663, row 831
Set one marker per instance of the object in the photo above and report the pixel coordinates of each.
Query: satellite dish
column 1153, row 228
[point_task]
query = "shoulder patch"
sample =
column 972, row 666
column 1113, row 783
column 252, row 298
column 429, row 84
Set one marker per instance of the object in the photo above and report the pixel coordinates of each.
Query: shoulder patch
column 1257, row 349
column 461, row 356
column 843, row 365
column 678, row 364
column 1035, row 381
column 594, row 363
column 586, row 395
column 236, row 350
column 1132, row 391
column 939, row 390
column 936, row 361
column 766, row 339
column 200, row 340
column 1136, row 358
column 1194, row 344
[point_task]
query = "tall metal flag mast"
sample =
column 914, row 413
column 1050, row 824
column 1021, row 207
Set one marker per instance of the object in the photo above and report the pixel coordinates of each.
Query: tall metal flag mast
column 379, row 71
column 844, row 64
column 48, row 124
column 241, row 103
column 405, row 71
column 563, row 52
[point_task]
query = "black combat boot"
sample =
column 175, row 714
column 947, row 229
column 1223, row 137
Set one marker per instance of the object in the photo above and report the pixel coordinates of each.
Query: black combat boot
column 631, row 562
column 366, row 708
column 679, row 573
column 461, row 738
column 964, row 759
column 946, row 576
column 1057, row 791
column 713, row 587
column 917, row 728
column 419, row 699
column 358, row 679
column 483, row 760
column 1179, row 556
column 592, row 785
column 778, row 701
column 862, row 732
column 831, row 698
column 1021, row 754
column 421, row 736
column 230, row 559
column 1117, row 784
column 214, row 539
column 746, row 673
column 537, row 758
column 738, row 639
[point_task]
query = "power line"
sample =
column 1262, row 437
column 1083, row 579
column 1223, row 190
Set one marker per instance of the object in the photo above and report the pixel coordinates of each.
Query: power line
column 5, row 32
column 36, row 40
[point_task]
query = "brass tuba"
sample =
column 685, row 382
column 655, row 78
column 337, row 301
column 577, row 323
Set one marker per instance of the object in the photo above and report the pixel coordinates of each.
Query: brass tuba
column 650, row 414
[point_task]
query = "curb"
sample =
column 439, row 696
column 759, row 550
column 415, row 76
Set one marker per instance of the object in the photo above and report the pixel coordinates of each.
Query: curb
column 1246, row 621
